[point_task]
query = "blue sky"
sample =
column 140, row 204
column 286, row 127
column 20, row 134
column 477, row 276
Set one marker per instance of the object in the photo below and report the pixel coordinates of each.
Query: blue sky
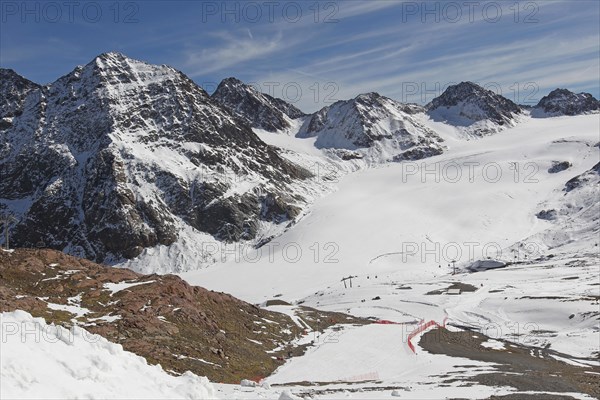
column 313, row 53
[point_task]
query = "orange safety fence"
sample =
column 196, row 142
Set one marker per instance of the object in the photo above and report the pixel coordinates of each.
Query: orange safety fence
column 421, row 328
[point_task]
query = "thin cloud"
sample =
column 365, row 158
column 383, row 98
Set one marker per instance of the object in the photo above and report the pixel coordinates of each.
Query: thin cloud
column 231, row 50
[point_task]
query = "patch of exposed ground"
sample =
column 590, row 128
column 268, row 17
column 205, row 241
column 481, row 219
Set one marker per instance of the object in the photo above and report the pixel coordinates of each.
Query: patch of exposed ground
column 454, row 288
column 523, row 368
column 159, row 317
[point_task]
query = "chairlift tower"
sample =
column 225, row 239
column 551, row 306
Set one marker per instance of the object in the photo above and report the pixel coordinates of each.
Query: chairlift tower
column 6, row 219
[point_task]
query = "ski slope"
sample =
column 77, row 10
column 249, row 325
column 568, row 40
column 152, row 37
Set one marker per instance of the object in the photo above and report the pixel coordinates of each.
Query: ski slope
column 394, row 229
column 406, row 220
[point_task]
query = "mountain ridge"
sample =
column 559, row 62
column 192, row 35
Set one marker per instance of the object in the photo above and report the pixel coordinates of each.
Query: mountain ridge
column 84, row 163
column 259, row 110
column 478, row 111
column 374, row 127
column 120, row 157
column 564, row 102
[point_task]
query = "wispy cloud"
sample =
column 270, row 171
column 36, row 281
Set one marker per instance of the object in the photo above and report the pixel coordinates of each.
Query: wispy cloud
column 231, row 49
column 358, row 46
column 516, row 67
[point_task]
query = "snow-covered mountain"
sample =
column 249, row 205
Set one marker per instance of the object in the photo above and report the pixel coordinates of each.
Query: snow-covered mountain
column 373, row 127
column 395, row 230
column 574, row 212
column 259, row 110
column 14, row 90
column 120, row 158
column 125, row 162
column 120, row 155
column 564, row 102
column 475, row 110
column 486, row 191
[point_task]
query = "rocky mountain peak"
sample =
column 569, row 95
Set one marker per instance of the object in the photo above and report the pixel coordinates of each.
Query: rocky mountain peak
column 564, row 102
column 471, row 93
column 9, row 77
column 111, row 55
column 235, row 82
column 118, row 61
column 368, row 97
column 373, row 127
column 120, row 155
column 122, row 72
column 480, row 111
column 13, row 91
column 454, row 94
column 259, row 110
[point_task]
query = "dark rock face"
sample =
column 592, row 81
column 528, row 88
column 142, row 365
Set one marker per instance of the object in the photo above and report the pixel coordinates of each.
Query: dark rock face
column 467, row 103
column 372, row 121
column 117, row 155
column 13, row 92
column 277, row 209
column 565, row 102
column 418, row 153
column 559, row 166
column 259, row 110
column 548, row 215
column 583, row 179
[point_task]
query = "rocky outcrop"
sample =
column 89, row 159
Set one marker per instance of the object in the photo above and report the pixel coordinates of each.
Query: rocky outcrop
column 120, row 155
column 159, row 317
column 259, row 110
column 14, row 90
column 374, row 127
column 585, row 179
column 477, row 110
column 564, row 102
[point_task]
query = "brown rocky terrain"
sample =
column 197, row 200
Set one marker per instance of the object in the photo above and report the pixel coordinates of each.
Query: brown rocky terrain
column 524, row 368
column 159, row 317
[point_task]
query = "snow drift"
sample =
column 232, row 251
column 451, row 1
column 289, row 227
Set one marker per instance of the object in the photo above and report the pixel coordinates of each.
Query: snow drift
column 49, row 362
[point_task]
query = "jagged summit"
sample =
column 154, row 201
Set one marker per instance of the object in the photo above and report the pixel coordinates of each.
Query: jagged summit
column 368, row 96
column 119, row 71
column 257, row 109
column 374, row 98
column 120, row 155
column 109, row 56
column 233, row 81
column 478, row 110
column 115, row 59
column 13, row 92
column 375, row 127
column 8, row 74
column 459, row 92
column 564, row 102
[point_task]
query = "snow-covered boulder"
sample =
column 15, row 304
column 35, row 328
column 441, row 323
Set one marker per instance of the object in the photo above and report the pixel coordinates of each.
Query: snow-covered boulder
column 248, row 383
column 288, row 395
